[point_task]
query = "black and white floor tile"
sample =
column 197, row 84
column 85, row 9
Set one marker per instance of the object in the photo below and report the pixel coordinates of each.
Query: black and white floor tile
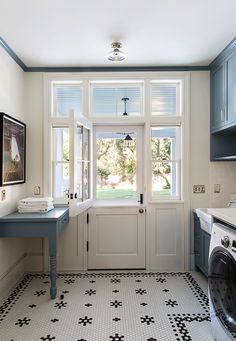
column 107, row 306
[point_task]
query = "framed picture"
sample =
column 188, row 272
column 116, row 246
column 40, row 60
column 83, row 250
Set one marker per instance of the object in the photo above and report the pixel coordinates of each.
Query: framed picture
column 12, row 150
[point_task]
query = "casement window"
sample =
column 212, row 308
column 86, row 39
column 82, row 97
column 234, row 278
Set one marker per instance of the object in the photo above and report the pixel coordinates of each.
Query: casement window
column 68, row 159
column 118, row 99
column 165, row 151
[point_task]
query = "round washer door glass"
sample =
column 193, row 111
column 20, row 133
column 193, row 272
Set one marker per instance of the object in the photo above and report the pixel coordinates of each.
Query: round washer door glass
column 222, row 287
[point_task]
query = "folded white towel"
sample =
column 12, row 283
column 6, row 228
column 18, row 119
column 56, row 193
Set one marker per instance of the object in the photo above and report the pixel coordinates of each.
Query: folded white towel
column 32, row 200
column 35, row 207
column 33, row 210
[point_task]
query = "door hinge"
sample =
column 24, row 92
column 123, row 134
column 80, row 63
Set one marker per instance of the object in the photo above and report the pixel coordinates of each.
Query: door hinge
column 87, row 218
column 87, row 247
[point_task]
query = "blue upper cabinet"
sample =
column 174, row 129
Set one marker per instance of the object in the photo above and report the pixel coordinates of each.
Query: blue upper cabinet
column 223, row 105
column 223, row 90
column 218, row 109
column 231, row 89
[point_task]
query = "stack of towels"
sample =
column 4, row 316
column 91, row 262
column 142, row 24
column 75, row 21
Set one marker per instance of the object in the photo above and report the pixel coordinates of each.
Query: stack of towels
column 29, row 205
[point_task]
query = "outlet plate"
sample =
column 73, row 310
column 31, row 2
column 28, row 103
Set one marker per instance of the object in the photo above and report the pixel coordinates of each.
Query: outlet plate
column 216, row 188
column 198, row 188
column 36, row 190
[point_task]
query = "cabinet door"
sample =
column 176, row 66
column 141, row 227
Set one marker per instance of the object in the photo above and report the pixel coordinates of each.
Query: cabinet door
column 197, row 242
column 205, row 251
column 218, row 98
column 231, row 88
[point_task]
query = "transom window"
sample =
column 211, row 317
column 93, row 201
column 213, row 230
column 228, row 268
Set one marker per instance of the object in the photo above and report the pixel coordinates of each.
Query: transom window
column 165, row 98
column 116, row 99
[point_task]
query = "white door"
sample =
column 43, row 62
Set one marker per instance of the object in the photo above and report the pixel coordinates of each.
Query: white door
column 116, row 238
column 117, row 222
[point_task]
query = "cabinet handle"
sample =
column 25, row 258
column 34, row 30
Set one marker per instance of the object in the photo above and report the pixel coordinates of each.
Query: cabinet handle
column 222, row 115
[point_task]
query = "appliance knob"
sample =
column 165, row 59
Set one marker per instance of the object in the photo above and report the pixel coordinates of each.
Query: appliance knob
column 225, row 241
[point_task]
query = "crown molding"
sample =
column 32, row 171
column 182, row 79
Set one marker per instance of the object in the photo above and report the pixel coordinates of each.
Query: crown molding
column 11, row 53
column 231, row 47
column 26, row 68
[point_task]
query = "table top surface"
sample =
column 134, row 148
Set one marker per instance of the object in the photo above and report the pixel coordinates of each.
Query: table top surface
column 52, row 215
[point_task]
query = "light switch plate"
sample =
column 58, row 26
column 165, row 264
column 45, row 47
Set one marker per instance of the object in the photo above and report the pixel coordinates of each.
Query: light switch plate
column 216, row 188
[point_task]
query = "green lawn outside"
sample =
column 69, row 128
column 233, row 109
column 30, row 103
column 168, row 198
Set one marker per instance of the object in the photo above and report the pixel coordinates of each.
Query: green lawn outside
column 124, row 193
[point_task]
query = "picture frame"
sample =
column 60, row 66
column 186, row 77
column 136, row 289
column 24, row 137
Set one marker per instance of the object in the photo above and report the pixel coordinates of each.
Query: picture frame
column 12, row 150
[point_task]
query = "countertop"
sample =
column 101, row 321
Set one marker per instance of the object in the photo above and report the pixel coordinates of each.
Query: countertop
column 227, row 215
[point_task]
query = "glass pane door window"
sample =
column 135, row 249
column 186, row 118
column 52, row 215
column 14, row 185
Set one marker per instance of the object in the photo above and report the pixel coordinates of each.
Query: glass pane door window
column 83, row 163
column 117, row 168
column 60, row 162
column 165, row 162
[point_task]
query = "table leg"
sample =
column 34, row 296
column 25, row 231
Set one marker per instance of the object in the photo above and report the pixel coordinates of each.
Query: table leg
column 53, row 264
column 53, row 276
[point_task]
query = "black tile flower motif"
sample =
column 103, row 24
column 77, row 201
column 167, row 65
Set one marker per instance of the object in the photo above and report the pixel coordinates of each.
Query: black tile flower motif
column 54, row 320
column 115, row 280
column 81, row 340
column 117, row 337
column 143, row 304
column 48, row 338
column 116, row 319
column 160, row 280
column 138, row 280
column 165, row 290
column 60, row 305
column 141, row 291
column 40, row 293
column 115, row 291
column 23, row 322
column 88, row 305
column 65, row 292
column 151, row 339
column 146, row 319
column 85, row 320
column 92, row 281
column 90, row 292
column 32, row 306
column 171, row 303
column 69, row 281
column 115, row 304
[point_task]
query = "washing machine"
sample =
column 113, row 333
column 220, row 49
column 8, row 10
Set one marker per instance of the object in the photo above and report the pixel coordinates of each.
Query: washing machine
column 222, row 282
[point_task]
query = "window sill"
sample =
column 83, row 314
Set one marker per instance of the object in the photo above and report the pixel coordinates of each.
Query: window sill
column 115, row 203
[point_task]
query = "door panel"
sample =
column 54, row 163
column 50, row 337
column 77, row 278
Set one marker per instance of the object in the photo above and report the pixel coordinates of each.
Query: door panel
column 166, row 242
column 116, row 238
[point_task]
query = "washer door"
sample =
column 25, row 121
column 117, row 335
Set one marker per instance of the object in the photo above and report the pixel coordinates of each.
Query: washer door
column 222, row 287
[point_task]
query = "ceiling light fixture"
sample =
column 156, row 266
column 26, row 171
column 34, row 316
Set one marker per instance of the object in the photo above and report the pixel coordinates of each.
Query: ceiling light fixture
column 116, row 55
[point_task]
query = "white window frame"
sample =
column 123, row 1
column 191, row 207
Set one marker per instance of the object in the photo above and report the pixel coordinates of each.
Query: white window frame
column 177, row 161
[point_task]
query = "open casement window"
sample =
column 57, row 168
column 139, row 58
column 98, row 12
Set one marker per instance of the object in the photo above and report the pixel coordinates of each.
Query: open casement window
column 71, row 163
column 165, row 98
column 165, row 161
column 116, row 99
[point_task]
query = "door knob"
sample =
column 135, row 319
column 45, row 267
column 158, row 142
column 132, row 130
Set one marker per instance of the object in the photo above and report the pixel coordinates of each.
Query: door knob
column 141, row 210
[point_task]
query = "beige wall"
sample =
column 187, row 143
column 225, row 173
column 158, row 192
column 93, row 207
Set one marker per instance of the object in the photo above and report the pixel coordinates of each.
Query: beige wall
column 12, row 103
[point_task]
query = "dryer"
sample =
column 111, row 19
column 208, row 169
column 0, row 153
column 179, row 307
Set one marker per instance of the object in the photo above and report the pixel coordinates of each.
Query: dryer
column 222, row 282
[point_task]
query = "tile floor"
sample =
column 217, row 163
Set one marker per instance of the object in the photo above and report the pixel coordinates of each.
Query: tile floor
column 108, row 306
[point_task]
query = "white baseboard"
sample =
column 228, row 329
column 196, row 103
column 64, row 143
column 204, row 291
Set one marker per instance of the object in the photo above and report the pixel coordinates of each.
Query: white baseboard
column 10, row 277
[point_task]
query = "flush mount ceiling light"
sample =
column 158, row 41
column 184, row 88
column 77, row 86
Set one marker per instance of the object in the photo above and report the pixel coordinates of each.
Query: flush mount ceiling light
column 116, row 55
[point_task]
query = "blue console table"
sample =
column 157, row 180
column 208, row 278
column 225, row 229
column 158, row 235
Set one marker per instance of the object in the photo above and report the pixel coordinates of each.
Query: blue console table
column 38, row 225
